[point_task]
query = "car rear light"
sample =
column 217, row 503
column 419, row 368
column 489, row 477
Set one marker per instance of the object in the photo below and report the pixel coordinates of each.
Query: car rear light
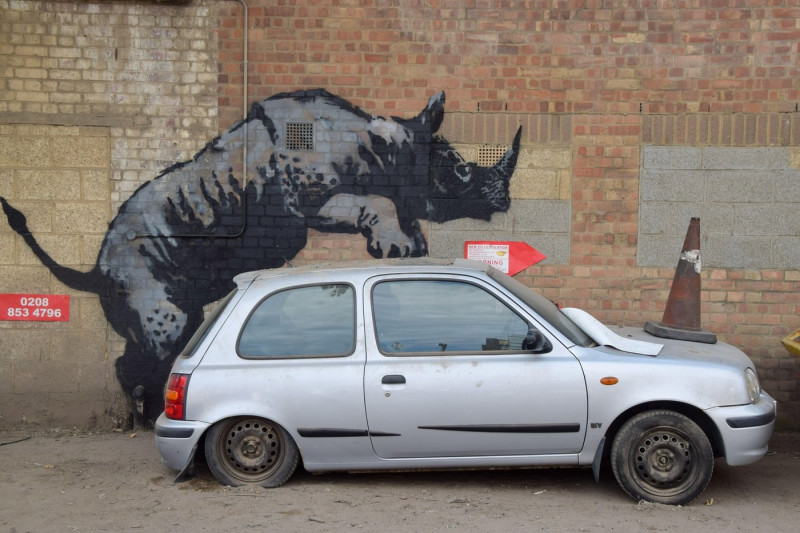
column 175, row 396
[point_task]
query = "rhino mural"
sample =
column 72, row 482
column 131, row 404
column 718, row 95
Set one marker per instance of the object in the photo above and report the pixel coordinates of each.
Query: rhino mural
column 312, row 160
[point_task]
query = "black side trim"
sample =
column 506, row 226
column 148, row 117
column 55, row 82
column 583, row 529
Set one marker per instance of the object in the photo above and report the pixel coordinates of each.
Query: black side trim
column 383, row 434
column 511, row 428
column 751, row 421
column 331, row 432
column 174, row 433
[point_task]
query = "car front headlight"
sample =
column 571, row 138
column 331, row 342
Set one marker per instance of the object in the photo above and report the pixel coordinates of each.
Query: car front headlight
column 753, row 386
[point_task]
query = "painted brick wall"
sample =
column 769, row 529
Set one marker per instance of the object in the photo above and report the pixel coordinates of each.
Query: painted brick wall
column 595, row 84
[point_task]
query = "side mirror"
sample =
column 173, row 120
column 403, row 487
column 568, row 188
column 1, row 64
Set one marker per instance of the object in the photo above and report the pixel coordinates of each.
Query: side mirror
column 536, row 342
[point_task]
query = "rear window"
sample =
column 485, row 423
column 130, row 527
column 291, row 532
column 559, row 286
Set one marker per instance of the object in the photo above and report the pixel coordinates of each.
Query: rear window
column 202, row 331
column 310, row 321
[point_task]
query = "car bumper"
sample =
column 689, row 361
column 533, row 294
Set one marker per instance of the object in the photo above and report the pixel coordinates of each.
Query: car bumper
column 745, row 429
column 177, row 440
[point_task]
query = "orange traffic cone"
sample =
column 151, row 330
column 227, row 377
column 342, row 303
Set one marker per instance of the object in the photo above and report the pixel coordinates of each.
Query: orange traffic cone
column 681, row 318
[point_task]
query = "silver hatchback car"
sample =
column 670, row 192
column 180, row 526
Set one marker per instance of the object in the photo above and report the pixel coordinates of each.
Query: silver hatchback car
column 425, row 364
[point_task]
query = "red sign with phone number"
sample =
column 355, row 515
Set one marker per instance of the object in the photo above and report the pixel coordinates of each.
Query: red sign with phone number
column 35, row 307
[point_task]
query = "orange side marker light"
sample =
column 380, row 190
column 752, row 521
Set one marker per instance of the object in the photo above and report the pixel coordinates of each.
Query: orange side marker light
column 610, row 380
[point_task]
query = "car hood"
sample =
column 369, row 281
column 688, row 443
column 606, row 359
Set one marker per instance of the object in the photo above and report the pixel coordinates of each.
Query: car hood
column 636, row 341
column 720, row 352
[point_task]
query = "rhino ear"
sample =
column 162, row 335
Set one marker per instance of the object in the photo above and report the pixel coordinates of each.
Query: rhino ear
column 433, row 113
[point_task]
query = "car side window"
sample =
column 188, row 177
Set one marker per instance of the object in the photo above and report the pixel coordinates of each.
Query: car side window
column 443, row 316
column 309, row 321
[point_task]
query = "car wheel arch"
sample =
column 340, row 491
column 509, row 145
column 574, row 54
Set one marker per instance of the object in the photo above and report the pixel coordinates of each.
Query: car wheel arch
column 201, row 443
column 250, row 450
column 695, row 414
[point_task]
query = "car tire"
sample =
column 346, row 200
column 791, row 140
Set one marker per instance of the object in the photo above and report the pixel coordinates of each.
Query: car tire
column 250, row 451
column 662, row 457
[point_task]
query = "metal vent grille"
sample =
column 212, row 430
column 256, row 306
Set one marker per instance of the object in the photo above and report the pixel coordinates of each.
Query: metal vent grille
column 490, row 155
column 300, row 136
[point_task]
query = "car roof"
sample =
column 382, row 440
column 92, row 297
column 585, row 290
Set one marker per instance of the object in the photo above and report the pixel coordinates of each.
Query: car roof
column 379, row 265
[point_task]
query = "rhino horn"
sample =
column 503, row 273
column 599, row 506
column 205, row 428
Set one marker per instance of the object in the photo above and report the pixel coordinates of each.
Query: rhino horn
column 505, row 167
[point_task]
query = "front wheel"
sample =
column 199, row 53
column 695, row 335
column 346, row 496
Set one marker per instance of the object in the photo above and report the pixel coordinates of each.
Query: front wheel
column 662, row 457
column 250, row 451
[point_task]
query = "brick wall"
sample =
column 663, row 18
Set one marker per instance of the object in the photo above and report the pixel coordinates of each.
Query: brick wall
column 622, row 77
column 595, row 85
column 145, row 71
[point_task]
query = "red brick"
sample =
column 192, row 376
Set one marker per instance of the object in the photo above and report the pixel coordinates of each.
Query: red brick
column 521, row 66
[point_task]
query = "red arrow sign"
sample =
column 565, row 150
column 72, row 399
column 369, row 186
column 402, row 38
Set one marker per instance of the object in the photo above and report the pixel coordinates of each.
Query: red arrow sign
column 507, row 256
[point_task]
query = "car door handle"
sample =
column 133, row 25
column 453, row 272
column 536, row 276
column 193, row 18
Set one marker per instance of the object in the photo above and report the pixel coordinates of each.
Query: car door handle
column 393, row 379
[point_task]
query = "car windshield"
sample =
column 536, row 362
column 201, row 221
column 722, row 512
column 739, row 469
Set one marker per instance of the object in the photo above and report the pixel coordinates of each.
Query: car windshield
column 544, row 308
column 200, row 334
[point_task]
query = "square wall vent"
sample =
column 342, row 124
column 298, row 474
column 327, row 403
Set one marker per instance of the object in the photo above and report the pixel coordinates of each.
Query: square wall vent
column 489, row 155
column 300, row 136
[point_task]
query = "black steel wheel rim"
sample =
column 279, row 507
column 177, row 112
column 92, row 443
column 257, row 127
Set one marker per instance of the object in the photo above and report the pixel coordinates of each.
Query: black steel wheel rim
column 663, row 462
column 251, row 450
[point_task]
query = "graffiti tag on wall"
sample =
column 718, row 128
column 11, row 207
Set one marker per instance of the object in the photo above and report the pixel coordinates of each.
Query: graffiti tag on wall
column 313, row 160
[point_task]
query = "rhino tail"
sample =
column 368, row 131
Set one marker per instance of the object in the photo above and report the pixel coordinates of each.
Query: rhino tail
column 75, row 279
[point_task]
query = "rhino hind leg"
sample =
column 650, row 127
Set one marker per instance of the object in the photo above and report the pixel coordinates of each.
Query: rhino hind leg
column 155, row 331
column 163, row 326
column 142, row 371
column 142, row 379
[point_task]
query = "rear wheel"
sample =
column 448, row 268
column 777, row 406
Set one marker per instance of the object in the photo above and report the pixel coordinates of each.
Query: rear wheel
column 662, row 457
column 250, row 451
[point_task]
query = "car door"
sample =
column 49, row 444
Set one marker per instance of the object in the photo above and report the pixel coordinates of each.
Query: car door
column 297, row 361
column 446, row 375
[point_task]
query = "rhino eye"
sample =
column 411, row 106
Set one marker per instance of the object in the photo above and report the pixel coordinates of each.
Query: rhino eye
column 463, row 172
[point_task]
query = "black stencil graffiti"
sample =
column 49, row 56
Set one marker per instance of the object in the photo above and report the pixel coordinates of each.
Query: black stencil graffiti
column 176, row 243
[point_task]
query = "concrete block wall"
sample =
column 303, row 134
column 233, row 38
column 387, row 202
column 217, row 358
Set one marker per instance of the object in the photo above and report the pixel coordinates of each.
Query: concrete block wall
column 58, row 174
column 600, row 88
column 748, row 199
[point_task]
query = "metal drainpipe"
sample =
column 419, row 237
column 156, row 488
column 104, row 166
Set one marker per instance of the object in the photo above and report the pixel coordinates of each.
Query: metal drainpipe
column 244, row 117
column 244, row 150
column 138, row 392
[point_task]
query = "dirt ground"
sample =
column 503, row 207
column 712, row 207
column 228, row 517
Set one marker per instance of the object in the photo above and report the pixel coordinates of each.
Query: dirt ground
column 78, row 481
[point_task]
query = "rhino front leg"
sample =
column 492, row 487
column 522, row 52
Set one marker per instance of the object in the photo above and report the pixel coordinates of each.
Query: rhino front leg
column 376, row 218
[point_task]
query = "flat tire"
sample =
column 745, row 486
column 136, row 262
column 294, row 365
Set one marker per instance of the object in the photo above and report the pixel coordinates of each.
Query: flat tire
column 662, row 457
column 250, row 451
